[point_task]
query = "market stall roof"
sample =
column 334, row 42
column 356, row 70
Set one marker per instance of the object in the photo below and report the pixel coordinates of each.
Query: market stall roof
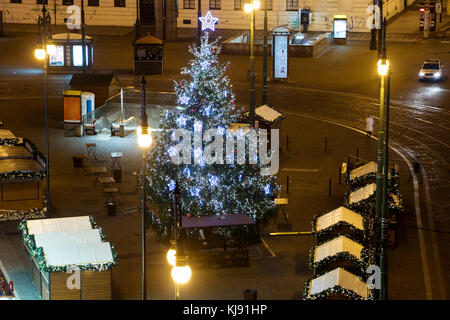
column 364, row 169
column 14, row 152
column 216, row 221
column 362, row 193
column 6, row 134
column 58, row 225
column 339, row 277
column 24, row 165
column 337, row 215
column 84, row 253
column 267, row 113
column 148, row 39
column 69, row 36
column 92, row 79
column 335, row 246
column 67, row 238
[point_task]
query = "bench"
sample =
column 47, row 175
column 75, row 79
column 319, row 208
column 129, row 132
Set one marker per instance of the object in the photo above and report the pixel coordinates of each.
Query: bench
column 115, row 125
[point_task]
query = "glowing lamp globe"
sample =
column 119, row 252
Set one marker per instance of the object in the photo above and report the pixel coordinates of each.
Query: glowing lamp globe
column 181, row 275
column 383, row 67
column 51, row 49
column 171, row 256
column 144, row 139
column 256, row 4
column 40, row 54
column 248, row 7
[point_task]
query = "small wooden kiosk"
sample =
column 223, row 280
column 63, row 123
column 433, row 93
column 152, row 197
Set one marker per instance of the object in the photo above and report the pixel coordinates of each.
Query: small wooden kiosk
column 69, row 258
column 148, row 55
column 337, row 284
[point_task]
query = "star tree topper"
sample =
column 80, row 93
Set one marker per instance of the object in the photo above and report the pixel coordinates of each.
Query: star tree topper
column 208, row 21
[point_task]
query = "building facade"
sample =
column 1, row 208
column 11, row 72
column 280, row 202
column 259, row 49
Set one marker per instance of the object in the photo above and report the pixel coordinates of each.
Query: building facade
column 286, row 12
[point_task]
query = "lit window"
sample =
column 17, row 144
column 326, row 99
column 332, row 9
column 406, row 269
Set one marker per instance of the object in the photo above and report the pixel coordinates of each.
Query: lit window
column 119, row 3
column 57, row 59
column 67, row 2
column 291, row 5
column 93, row 3
column 239, row 4
column 77, row 55
column 188, row 4
column 214, row 4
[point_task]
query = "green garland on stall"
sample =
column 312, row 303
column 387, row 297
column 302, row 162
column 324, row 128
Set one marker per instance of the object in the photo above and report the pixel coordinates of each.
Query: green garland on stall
column 367, row 259
column 11, row 175
column 33, row 213
column 360, row 182
column 332, row 291
column 9, row 141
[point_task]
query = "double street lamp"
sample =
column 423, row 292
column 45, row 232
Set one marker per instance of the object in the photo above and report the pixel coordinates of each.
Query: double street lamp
column 43, row 52
column 251, row 8
column 176, row 255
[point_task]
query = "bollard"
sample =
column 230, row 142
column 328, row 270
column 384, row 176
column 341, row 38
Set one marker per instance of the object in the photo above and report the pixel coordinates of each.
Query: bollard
column 287, row 184
column 326, row 144
column 329, row 187
column 250, row 294
column 357, row 154
column 348, row 161
column 339, row 170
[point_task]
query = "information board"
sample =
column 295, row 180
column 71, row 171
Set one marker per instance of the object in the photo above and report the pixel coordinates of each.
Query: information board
column 340, row 29
column 280, row 63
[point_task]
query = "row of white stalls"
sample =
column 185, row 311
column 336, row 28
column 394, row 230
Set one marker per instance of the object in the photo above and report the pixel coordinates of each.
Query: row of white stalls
column 69, row 258
column 22, row 176
column 346, row 239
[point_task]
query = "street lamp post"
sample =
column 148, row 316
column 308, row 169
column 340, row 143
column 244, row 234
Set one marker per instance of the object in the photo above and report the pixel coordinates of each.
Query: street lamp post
column 83, row 37
column 43, row 53
column 181, row 272
column 199, row 27
column 250, row 8
column 373, row 31
column 144, row 141
column 264, row 80
column 383, row 294
column 136, row 25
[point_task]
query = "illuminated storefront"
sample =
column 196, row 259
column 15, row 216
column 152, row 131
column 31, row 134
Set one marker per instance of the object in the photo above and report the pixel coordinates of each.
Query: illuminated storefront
column 68, row 56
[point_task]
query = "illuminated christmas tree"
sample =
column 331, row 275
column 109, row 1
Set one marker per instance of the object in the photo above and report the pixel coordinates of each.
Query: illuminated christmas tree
column 206, row 189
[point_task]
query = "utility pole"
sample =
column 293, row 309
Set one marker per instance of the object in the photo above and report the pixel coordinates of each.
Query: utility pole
column 199, row 27
column 264, row 80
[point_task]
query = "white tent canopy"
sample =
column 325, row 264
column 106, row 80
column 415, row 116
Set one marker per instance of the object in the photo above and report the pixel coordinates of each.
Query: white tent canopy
column 40, row 226
column 335, row 246
column 362, row 193
column 268, row 113
column 365, row 169
column 337, row 215
column 67, row 238
column 85, row 253
column 341, row 278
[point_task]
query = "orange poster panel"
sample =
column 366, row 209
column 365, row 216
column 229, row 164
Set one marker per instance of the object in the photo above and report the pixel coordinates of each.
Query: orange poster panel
column 72, row 109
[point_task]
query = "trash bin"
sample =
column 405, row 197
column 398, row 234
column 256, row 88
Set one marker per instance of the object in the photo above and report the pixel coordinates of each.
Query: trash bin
column 77, row 161
column 117, row 174
column 111, row 208
column 250, row 294
column 79, row 130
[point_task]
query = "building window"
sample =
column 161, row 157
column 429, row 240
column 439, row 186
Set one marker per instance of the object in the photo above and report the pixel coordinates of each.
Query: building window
column 119, row 3
column 77, row 55
column 188, row 4
column 239, row 4
column 93, row 3
column 214, row 4
column 291, row 5
column 15, row 1
column 67, row 2
column 41, row 1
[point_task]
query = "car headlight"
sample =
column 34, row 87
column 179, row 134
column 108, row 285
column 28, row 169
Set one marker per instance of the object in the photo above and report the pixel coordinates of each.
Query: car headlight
column 437, row 75
column 421, row 74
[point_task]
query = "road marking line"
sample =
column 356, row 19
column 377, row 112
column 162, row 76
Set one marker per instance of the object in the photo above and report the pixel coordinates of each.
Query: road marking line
column 267, row 247
column 300, row 170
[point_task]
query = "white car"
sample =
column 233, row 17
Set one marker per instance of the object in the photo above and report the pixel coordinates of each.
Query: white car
column 431, row 70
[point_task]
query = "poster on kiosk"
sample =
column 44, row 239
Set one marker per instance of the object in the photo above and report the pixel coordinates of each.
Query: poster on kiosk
column 280, row 52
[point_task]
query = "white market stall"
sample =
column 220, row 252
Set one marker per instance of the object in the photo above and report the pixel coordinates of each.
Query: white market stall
column 337, row 284
column 340, row 252
column 57, row 247
column 366, row 174
column 336, row 222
